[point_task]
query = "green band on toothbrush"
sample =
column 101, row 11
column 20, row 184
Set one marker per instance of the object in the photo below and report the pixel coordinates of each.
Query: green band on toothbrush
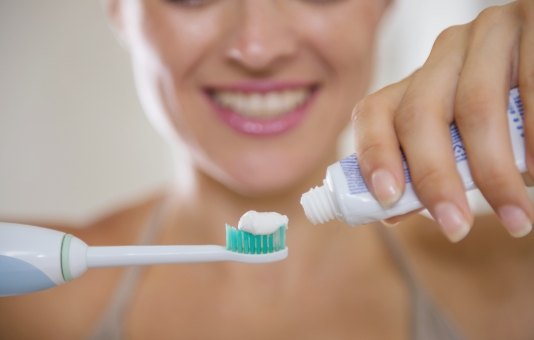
column 65, row 258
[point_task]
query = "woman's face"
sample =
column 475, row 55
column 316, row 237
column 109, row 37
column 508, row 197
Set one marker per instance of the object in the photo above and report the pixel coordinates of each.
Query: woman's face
column 258, row 90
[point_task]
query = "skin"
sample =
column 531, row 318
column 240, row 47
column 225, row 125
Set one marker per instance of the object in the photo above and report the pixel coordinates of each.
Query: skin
column 338, row 282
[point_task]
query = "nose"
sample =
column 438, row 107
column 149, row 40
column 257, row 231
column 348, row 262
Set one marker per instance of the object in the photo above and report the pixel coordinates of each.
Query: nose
column 263, row 35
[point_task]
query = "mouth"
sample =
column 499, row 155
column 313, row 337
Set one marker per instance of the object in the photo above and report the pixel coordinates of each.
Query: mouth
column 262, row 108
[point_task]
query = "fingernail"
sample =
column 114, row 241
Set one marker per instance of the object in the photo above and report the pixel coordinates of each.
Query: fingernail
column 515, row 220
column 384, row 187
column 389, row 224
column 452, row 221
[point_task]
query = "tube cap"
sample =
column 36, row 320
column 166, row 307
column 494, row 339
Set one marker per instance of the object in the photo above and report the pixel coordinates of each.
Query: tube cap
column 318, row 205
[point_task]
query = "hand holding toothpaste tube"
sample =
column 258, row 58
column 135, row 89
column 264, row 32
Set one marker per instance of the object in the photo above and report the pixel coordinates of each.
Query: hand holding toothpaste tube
column 466, row 79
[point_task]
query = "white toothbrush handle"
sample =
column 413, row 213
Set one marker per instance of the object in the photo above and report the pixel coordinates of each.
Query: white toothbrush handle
column 147, row 255
column 30, row 258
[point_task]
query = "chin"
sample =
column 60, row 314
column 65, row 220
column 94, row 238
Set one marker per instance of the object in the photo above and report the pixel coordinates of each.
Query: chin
column 272, row 180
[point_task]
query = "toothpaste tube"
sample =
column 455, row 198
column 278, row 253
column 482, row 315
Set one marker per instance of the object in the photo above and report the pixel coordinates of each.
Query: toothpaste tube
column 345, row 196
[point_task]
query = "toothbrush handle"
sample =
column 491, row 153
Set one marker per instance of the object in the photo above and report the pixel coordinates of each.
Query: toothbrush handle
column 146, row 255
column 30, row 258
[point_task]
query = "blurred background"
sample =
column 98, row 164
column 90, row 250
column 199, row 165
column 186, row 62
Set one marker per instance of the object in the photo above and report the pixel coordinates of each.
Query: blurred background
column 74, row 142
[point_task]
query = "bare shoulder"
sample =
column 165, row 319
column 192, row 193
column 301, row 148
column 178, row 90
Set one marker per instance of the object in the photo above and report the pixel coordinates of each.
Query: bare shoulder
column 118, row 221
column 72, row 309
column 120, row 226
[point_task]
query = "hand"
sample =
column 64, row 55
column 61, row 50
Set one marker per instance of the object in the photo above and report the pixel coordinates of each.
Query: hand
column 465, row 79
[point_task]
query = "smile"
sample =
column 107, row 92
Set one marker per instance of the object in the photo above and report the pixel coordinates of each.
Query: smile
column 261, row 109
column 262, row 105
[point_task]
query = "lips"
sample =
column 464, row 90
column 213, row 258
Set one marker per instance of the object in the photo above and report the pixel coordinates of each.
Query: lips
column 262, row 108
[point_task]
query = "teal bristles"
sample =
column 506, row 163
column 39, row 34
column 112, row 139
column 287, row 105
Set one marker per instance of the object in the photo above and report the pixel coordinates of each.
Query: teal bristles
column 244, row 242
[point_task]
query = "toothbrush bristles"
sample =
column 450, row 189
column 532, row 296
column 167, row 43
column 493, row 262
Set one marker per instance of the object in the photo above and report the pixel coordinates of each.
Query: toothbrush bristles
column 247, row 243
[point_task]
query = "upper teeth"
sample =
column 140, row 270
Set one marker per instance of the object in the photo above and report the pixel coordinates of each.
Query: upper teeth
column 262, row 104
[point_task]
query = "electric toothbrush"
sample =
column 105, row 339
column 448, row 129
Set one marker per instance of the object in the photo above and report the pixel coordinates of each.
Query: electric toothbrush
column 34, row 258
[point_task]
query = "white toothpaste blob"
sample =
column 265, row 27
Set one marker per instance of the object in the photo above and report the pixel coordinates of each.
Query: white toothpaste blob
column 261, row 223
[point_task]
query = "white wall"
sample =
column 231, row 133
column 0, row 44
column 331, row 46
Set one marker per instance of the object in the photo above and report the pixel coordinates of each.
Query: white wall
column 412, row 28
column 73, row 140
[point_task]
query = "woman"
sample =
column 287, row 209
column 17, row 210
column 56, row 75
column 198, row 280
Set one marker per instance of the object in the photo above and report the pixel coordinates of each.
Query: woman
column 259, row 91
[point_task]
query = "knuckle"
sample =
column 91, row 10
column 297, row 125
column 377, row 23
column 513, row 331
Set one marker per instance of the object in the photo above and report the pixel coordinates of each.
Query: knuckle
column 370, row 104
column 409, row 116
column 449, row 46
column 490, row 16
column 491, row 177
column 366, row 113
column 377, row 103
column 428, row 182
column 492, row 20
column 450, row 34
column 366, row 137
column 472, row 106
column 366, row 155
column 360, row 110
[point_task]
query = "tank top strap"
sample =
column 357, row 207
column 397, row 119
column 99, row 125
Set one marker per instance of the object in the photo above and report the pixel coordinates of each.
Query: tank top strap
column 427, row 320
column 110, row 325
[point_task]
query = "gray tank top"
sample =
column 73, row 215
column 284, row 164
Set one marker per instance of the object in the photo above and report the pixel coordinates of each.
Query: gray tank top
column 427, row 321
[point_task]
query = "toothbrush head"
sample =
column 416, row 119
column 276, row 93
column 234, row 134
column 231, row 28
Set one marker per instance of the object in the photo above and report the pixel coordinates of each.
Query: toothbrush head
column 244, row 242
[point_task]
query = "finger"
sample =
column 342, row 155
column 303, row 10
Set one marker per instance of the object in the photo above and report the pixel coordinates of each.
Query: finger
column 377, row 146
column 481, row 105
column 423, row 127
column 526, row 79
column 393, row 221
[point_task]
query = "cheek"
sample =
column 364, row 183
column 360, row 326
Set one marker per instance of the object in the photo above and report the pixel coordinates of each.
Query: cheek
column 181, row 48
column 352, row 55
column 345, row 38
column 346, row 49
column 170, row 47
